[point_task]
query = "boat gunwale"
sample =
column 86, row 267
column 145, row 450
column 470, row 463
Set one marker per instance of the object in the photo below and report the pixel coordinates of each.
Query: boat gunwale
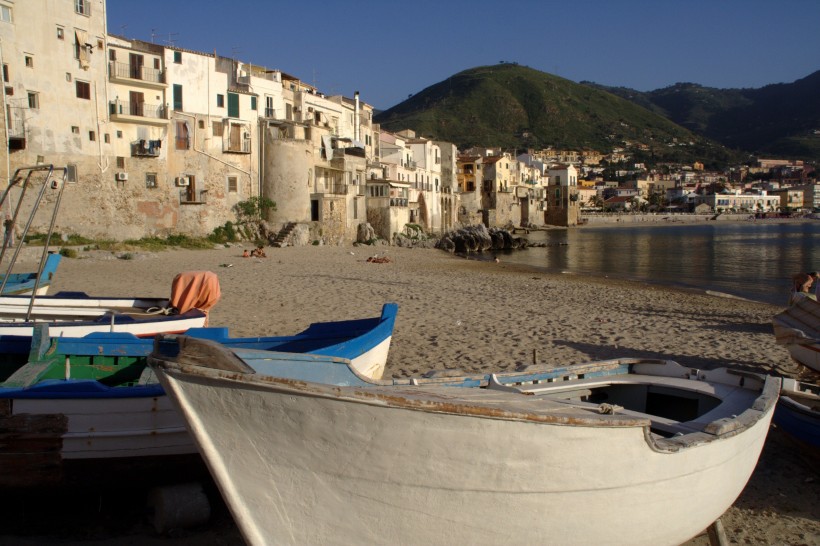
column 390, row 395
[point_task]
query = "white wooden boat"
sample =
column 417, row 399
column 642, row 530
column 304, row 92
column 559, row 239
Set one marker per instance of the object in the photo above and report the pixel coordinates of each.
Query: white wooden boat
column 798, row 329
column 81, row 404
column 615, row 452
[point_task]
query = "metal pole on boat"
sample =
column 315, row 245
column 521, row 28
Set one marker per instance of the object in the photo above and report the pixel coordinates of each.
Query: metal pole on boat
column 50, row 227
column 14, row 181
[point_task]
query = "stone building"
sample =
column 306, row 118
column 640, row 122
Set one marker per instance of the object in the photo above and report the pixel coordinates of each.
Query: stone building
column 160, row 140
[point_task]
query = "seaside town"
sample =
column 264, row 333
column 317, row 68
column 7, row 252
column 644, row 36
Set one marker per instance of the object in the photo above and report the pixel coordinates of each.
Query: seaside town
column 157, row 140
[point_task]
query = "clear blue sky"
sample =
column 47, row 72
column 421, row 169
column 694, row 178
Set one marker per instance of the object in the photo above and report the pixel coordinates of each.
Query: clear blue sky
column 388, row 50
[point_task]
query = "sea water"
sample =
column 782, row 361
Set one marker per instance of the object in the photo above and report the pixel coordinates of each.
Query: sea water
column 753, row 260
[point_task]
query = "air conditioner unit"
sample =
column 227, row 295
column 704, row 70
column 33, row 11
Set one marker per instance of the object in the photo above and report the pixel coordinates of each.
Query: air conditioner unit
column 183, row 181
column 122, row 177
column 310, row 108
column 297, row 108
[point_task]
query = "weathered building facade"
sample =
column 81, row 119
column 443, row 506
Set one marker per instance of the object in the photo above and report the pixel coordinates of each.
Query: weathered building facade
column 160, row 140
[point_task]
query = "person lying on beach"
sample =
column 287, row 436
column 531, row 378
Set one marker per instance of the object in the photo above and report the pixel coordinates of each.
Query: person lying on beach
column 801, row 285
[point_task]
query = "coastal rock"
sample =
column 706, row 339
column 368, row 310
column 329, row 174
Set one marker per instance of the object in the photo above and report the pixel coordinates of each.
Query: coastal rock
column 365, row 233
column 479, row 239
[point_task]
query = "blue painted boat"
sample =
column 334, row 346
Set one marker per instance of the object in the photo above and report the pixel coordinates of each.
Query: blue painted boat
column 33, row 282
column 92, row 398
column 798, row 413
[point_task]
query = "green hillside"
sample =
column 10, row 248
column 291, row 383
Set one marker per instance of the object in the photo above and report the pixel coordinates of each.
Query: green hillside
column 778, row 120
column 516, row 107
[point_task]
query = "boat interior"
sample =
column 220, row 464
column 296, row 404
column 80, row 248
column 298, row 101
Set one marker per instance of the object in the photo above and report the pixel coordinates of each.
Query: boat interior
column 673, row 405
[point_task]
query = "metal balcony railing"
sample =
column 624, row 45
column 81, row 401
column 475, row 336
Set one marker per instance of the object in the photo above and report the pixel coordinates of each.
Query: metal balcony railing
column 241, row 145
column 136, row 72
column 139, row 109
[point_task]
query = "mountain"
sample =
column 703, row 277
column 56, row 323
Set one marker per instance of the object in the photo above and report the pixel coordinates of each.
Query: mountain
column 779, row 119
column 513, row 106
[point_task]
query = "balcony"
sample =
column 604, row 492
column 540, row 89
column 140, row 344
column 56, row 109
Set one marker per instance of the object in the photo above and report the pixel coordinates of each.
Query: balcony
column 237, row 145
column 336, row 189
column 190, row 196
column 398, row 201
column 135, row 74
column 16, row 133
column 138, row 112
column 146, row 148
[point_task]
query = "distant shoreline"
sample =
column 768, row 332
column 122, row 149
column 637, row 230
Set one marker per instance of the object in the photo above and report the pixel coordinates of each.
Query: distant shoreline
column 683, row 219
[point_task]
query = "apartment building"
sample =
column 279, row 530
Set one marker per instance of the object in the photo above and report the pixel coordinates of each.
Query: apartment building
column 160, row 139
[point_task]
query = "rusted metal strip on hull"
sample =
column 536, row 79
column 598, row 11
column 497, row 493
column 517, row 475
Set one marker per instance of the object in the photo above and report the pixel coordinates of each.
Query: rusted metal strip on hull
column 30, row 448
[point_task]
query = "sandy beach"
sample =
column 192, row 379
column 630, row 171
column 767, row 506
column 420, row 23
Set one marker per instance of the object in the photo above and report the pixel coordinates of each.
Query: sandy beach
column 479, row 316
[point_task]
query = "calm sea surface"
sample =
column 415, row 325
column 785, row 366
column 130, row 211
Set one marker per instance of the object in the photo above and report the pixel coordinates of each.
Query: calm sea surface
column 752, row 260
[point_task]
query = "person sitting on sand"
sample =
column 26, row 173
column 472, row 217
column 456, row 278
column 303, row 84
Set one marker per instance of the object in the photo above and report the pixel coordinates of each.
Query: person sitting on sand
column 259, row 252
column 246, row 254
column 801, row 284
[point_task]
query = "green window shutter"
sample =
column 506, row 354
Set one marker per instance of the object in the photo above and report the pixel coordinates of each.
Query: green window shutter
column 177, row 96
column 233, row 105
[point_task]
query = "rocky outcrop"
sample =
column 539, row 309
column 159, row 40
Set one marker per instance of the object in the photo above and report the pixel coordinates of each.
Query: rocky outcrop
column 480, row 239
column 365, row 234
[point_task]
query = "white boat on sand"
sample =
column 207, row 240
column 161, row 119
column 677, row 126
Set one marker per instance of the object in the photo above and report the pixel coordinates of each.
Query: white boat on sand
column 615, row 452
column 798, row 328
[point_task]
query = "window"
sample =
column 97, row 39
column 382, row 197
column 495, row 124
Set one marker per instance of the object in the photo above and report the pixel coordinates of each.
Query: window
column 5, row 72
column 75, row 129
column 83, row 90
column 233, row 105
column 119, row 134
column 29, row 61
column 156, row 64
column 253, row 103
column 218, row 130
column 150, row 180
column 220, row 101
column 71, row 172
column 92, row 136
column 68, row 76
column 83, row 7
column 60, row 33
column 5, row 14
column 233, row 184
column 120, row 162
column 182, row 140
column 188, row 194
column 177, row 96
column 112, row 54
column 107, row 138
column 33, row 99
column 178, row 57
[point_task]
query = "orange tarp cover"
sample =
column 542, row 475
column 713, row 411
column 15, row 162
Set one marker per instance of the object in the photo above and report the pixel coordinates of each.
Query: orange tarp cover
column 195, row 290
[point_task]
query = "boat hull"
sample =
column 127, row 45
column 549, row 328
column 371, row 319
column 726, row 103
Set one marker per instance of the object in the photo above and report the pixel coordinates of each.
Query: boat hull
column 798, row 329
column 330, row 465
column 798, row 414
column 807, row 355
column 72, row 420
